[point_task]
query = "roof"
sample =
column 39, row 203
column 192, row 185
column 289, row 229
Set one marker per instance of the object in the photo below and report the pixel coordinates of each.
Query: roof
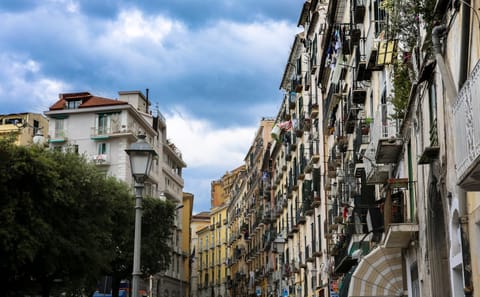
column 88, row 100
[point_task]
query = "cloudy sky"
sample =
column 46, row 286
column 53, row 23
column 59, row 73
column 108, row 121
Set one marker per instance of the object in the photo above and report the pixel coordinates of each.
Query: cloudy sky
column 213, row 67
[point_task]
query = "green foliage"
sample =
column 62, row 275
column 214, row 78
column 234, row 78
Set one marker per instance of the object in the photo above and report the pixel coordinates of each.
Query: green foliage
column 401, row 85
column 406, row 18
column 158, row 219
column 64, row 224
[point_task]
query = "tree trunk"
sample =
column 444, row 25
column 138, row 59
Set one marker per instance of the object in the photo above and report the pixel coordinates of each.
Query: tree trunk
column 115, row 285
column 46, row 287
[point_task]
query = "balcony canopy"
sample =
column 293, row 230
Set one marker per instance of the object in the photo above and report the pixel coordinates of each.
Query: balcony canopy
column 378, row 274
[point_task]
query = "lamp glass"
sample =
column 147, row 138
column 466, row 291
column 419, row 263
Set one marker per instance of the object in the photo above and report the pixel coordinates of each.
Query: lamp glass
column 141, row 156
column 279, row 244
column 140, row 162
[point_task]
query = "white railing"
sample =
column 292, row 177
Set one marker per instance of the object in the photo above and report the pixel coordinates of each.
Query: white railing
column 100, row 159
column 383, row 127
column 467, row 126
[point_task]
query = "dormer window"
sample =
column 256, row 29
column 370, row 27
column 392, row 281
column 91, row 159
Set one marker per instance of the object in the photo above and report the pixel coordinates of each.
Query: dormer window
column 73, row 104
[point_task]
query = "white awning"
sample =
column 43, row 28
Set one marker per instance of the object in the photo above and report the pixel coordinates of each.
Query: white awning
column 379, row 274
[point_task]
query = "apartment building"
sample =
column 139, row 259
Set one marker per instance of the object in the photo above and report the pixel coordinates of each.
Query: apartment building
column 205, row 283
column 450, row 140
column 29, row 128
column 397, row 135
column 237, row 237
column 370, row 177
column 101, row 129
column 213, row 239
column 199, row 221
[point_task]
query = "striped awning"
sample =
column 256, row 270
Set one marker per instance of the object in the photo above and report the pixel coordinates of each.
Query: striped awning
column 379, row 274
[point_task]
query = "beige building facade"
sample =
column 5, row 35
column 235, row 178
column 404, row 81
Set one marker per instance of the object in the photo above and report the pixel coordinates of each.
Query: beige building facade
column 368, row 185
column 28, row 128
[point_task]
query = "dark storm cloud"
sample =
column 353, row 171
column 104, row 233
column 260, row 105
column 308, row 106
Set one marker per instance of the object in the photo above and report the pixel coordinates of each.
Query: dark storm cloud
column 200, row 13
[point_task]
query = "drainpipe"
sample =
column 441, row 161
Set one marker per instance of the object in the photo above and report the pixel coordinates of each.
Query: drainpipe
column 437, row 33
column 465, row 238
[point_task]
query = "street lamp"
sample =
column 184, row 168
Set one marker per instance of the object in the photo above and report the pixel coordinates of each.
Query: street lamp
column 141, row 155
column 279, row 245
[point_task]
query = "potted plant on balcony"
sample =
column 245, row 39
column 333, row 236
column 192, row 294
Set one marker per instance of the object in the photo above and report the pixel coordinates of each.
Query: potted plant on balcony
column 365, row 126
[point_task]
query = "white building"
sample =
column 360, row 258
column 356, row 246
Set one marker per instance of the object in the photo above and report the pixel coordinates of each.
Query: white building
column 101, row 129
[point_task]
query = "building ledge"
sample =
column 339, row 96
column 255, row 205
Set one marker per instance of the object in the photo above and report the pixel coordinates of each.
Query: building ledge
column 400, row 235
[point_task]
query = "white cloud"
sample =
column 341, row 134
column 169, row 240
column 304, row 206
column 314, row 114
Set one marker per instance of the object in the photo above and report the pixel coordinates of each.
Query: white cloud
column 209, row 151
column 237, row 47
column 205, row 146
column 21, row 78
column 133, row 25
column 169, row 47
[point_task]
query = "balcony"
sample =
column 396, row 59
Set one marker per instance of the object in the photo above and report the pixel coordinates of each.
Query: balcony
column 298, row 84
column 58, row 137
column 360, row 144
column 300, row 218
column 333, row 97
column 372, row 42
column 431, row 152
column 351, row 111
column 385, row 137
column 309, row 256
column 467, row 132
column 313, row 110
column 301, row 125
column 376, row 173
column 115, row 130
column 292, row 99
column 399, row 231
column 101, row 159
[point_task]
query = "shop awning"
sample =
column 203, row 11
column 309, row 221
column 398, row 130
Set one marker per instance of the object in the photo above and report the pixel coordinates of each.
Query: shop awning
column 379, row 274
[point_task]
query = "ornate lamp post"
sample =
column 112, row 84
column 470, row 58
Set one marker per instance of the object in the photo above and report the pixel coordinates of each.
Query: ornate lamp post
column 141, row 155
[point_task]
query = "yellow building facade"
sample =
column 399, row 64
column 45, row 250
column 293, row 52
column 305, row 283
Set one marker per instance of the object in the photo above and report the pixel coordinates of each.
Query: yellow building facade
column 187, row 252
column 26, row 126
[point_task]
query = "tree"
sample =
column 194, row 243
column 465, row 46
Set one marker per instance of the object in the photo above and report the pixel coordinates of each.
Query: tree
column 55, row 220
column 157, row 226
column 64, row 224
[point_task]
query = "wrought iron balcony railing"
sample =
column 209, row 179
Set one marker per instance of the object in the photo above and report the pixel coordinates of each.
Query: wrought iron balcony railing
column 467, row 132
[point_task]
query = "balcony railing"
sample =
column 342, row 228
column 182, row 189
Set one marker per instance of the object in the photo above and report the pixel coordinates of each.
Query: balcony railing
column 399, row 232
column 101, row 159
column 467, row 132
column 114, row 130
column 351, row 111
column 59, row 136
column 387, row 143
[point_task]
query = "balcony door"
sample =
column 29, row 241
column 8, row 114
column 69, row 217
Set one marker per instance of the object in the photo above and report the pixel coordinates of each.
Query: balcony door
column 103, row 124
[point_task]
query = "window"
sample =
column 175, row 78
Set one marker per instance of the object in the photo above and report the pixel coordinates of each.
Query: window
column 414, row 280
column 299, row 66
column 103, row 123
column 73, row 104
column 432, row 106
column 178, row 266
column 379, row 15
column 102, row 148
column 14, row 121
column 36, row 126
column 73, row 148
column 59, row 126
